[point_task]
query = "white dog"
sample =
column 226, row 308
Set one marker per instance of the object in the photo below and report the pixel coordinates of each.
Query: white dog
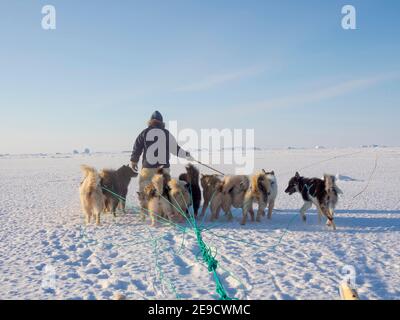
column 263, row 190
column 91, row 195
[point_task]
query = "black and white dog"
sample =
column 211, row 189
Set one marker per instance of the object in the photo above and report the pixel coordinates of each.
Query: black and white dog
column 322, row 193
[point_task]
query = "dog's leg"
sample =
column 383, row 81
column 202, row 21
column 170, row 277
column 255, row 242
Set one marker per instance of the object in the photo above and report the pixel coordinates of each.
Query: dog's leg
column 244, row 217
column 143, row 207
column 125, row 193
column 88, row 212
column 167, row 210
column 218, row 211
column 121, row 206
column 205, row 206
column 247, row 207
column 152, row 219
column 226, row 205
column 96, row 213
column 252, row 214
column 87, row 218
column 271, row 206
column 215, row 206
column 153, row 210
column 251, row 211
column 143, row 211
column 214, row 212
column 260, row 211
column 114, row 207
column 98, row 218
column 230, row 215
column 330, row 221
column 328, row 213
column 263, row 212
column 307, row 205
column 333, row 224
column 106, row 205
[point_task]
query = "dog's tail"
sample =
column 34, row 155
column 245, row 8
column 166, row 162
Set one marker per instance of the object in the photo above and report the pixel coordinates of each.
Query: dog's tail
column 330, row 185
column 174, row 184
column 91, row 179
column 88, row 170
column 192, row 174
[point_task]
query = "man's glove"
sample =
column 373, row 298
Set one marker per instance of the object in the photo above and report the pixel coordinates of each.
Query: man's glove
column 189, row 157
column 134, row 167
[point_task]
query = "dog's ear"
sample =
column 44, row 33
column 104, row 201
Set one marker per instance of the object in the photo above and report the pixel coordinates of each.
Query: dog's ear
column 265, row 172
column 272, row 172
column 297, row 175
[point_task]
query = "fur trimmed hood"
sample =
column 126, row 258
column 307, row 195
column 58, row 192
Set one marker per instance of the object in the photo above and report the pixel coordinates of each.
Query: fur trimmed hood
column 154, row 123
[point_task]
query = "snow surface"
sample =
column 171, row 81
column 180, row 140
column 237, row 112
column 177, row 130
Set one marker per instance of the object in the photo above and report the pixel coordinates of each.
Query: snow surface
column 42, row 229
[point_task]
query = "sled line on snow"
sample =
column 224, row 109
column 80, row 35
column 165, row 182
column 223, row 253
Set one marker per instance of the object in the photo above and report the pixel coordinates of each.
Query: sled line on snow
column 322, row 161
column 206, row 252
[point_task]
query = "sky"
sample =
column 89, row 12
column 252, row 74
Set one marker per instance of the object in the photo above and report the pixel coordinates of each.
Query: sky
column 286, row 69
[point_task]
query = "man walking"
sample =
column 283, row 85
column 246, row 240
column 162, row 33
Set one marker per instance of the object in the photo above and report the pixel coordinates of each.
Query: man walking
column 156, row 144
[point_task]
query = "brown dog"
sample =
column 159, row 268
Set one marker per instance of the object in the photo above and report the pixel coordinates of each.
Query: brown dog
column 229, row 194
column 115, row 187
column 210, row 183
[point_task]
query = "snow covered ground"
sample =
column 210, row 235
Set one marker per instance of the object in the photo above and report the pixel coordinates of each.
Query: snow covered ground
column 42, row 230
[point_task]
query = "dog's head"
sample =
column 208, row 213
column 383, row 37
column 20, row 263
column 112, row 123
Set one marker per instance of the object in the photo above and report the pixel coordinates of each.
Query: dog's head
column 272, row 173
column 271, row 176
column 261, row 185
column 142, row 197
column 127, row 171
column 293, row 185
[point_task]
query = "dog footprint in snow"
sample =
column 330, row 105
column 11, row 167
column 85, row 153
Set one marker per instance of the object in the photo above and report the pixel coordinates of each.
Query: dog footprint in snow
column 106, row 246
column 113, row 254
column 40, row 266
column 260, row 261
column 184, row 268
column 139, row 285
column 92, row 270
column 120, row 263
column 85, row 254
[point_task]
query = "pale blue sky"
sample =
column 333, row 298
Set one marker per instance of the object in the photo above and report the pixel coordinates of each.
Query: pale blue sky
column 285, row 68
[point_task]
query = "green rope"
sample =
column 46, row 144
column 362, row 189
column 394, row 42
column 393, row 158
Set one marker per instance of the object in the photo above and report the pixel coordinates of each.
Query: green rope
column 208, row 258
column 205, row 250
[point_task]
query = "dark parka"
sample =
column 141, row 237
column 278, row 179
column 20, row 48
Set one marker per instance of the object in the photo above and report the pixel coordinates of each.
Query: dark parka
column 147, row 138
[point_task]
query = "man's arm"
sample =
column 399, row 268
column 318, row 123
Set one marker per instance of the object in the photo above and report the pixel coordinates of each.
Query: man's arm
column 137, row 148
column 176, row 149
